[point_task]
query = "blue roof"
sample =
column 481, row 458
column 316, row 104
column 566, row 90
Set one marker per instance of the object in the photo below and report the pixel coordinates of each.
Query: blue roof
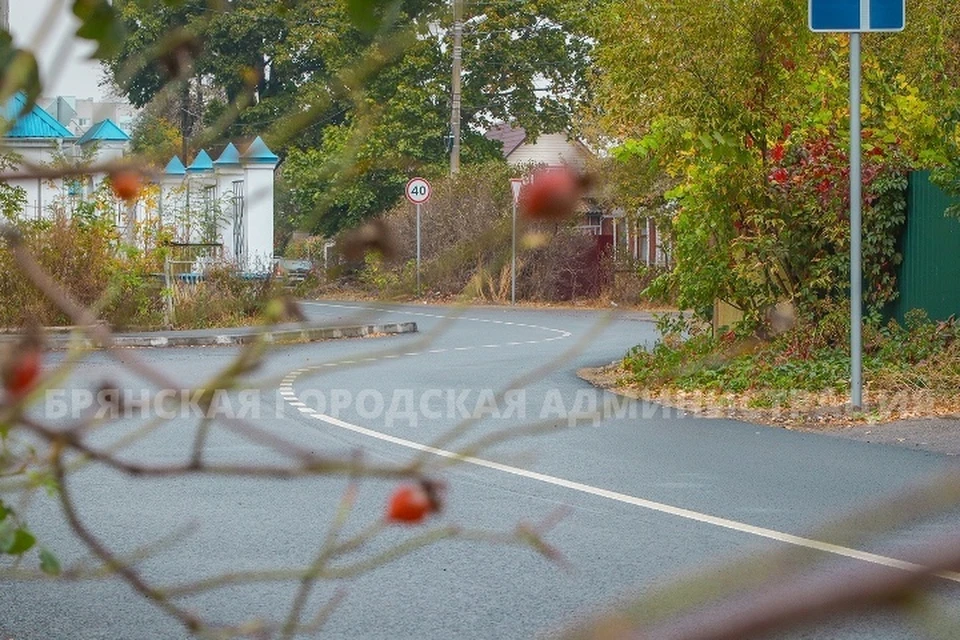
column 260, row 153
column 201, row 163
column 36, row 123
column 229, row 158
column 105, row 131
column 175, row 167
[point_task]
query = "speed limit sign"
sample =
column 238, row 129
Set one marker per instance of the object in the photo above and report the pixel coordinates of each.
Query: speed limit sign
column 418, row 190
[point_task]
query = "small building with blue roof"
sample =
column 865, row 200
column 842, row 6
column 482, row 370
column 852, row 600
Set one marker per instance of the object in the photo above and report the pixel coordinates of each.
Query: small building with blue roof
column 237, row 188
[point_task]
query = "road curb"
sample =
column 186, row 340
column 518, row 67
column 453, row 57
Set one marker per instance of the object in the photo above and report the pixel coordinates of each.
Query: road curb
column 277, row 336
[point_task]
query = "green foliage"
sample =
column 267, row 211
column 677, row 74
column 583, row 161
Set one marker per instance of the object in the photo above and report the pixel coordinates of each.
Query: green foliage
column 813, row 357
column 20, row 73
column 13, row 198
column 354, row 96
column 685, row 340
column 16, row 539
column 754, row 170
column 98, row 22
column 155, row 137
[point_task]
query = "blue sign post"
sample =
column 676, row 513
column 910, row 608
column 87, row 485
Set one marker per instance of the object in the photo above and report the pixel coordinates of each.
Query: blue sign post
column 856, row 17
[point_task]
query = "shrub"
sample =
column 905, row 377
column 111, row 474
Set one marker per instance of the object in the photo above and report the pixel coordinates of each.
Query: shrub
column 920, row 354
column 466, row 235
column 124, row 285
column 79, row 254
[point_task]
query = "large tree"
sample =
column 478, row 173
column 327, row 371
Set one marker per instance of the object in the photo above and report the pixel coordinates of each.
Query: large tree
column 745, row 113
column 354, row 96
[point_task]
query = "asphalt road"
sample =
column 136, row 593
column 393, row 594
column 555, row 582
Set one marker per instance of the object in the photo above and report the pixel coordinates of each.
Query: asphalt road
column 645, row 498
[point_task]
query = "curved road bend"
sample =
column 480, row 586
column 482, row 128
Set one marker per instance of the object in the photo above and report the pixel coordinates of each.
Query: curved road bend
column 648, row 494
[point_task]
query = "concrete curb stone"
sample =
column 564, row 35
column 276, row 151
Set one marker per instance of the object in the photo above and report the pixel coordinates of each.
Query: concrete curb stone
column 276, row 336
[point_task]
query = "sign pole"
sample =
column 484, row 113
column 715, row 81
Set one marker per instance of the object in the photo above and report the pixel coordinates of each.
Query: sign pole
column 856, row 17
column 856, row 275
column 516, row 184
column 418, row 249
column 417, row 192
column 513, row 258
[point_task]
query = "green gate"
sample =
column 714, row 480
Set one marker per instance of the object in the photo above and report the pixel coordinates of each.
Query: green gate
column 929, row 277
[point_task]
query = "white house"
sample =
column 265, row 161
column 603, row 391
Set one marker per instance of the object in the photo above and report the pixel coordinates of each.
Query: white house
column 227, row 202
column 550, row 149
column 637, row 235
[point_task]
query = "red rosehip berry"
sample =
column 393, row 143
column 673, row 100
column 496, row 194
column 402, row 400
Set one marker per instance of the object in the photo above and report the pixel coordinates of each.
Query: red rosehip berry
column 21, row 372
column 126, row 185
column 553, row 194
column 411, row 503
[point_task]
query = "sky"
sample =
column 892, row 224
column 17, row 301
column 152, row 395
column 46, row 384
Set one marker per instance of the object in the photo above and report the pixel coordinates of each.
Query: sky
column 78, row 75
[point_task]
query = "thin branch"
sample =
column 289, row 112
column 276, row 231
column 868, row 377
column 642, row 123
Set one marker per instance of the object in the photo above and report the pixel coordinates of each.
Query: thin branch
column 779, row 604
column 110, row 561
column 312, row 466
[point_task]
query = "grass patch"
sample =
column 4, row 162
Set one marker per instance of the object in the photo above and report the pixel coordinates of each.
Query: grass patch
column 909, row 370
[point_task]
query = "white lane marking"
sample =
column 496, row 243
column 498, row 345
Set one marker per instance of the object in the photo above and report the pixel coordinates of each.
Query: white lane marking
column 661, row 507
column 688, row 514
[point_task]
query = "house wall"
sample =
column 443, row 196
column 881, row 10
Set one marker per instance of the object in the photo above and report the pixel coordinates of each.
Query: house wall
column 258, row 218
column 41, row 194
column 645, row 244
column 230, row 231
column 182, row 202
column 550, row 149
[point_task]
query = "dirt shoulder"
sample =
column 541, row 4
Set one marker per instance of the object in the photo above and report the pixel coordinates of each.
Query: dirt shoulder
column 587, row 304
column 908, row 420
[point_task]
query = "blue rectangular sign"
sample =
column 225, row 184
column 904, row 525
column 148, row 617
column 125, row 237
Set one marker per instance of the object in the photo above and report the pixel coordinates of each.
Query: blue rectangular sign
column 857, row 15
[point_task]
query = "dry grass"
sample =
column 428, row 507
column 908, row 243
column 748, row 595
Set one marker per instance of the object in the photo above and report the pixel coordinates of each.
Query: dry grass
column 826, row 409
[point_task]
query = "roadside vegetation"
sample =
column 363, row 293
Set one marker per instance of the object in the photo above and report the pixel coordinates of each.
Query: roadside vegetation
column 727, row 124
column 466, row 235
column 123, row 283
column 752, row 179
column 802, row 376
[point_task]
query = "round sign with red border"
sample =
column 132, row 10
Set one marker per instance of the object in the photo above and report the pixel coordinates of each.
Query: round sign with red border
column 418, row 190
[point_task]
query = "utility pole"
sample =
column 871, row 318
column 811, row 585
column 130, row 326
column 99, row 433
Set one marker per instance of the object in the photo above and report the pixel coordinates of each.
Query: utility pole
column 185, row 121
column 457, row 72
column 5, row 15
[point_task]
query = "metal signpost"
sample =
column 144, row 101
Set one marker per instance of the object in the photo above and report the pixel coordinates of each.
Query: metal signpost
column 418, row 192
column 515, row 185
column 856, row 17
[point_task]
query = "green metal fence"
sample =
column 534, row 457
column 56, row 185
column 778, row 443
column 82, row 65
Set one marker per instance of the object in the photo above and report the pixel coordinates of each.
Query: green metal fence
column 929, row 277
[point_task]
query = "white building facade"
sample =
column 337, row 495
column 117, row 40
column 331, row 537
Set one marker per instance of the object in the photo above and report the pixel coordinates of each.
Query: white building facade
column 227, row 203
